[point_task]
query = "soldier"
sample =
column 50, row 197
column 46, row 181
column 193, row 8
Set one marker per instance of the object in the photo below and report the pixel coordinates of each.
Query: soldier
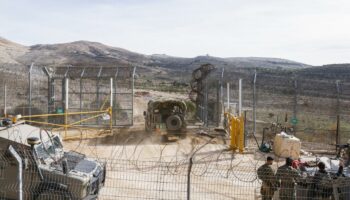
column 347, row 151
column 322, row 182
column 287, row 177
column 267, row 175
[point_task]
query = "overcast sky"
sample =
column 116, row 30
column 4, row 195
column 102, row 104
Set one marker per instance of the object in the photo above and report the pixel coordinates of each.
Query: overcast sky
column 311, row 31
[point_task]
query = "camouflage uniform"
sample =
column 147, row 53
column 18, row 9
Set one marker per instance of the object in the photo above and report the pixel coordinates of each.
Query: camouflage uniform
column 268, row 186
column 348, row 156
column 286, row 176
column 322, row 185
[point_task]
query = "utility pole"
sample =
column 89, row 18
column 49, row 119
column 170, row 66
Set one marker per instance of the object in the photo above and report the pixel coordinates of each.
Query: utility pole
column 30, row 90
column 228, row 97
column 338, row 112
column 295, row 104
column 240, row 97
column 218, row 104
column 111, row 106
column 133, row 93
column 66, row 106
column 254, row 103
column 5, row 100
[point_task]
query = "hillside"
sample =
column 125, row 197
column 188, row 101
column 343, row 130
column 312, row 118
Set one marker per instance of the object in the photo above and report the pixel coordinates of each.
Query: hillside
column 283, row 86
column 93, row 53
column 10, row 51
column 157, row 66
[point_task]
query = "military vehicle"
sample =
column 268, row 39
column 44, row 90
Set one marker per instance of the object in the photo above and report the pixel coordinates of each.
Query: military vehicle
column 48, row 172
column 166, row 117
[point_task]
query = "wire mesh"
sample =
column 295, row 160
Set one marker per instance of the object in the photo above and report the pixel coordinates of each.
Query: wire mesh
column 40, row 90
column 224, row 178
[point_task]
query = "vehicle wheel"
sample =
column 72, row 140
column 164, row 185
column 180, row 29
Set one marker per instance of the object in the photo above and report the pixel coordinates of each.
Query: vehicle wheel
column 174, row 123
column 54, row 195
column 164, row 138
column 182, row 136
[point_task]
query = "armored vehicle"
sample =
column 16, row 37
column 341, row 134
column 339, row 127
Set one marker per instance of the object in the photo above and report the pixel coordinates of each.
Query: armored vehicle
column 166, row 117
column 47, row 171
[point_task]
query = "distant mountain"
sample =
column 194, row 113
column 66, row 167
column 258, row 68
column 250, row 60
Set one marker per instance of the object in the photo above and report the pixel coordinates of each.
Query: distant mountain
column 248, row 62
column 93, row 53
column 80, row 53
column 158, row 66
column 278, row 80
column 10, row 51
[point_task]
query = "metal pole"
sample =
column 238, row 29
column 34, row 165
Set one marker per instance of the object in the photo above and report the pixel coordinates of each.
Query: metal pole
column 66, row 105
column 240, row 97
column 133, row 87
column 218, row 104
column 115, row 92
column 66, row 93
column 228, row 97
column 49, row 89
column 338, row 96
column 80, row 97
column 338, row 112
column 295, row 103
column 52, row 96
column 190, row 167
column 221, row 84
column 98, row 93
column 189, row 179
column 19, row 175
column 222, row 93
column 254, row 103
column 81, row 91
column 5, row 102
column 245, row 132
column 30, row 89
column 49, row 96
column 337, row 133
column 111, row 106
column 206, row 102
column 111, row 93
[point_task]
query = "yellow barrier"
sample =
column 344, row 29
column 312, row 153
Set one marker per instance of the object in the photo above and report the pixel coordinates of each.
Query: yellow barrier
column 66, row 124
column 235, row 126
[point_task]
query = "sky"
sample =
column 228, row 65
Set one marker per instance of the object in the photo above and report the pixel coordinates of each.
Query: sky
column 314, row 32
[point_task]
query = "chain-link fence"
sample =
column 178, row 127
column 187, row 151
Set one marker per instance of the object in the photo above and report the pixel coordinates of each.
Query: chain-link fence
column 308, row 105
column 220, row 176
column 32, row 90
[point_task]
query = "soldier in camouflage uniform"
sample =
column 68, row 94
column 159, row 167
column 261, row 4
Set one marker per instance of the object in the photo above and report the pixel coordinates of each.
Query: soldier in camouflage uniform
column 286, row 177
column 267, row 175
column 322, row 183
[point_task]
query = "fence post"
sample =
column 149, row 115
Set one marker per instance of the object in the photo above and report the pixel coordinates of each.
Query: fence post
column 295, row 105
column 337, row 133
column 5, row 100
column 189, row 178
column 254, row 103
column 19, row 175
column 30, row 90
column 338, row 114
column 190, row 168
column 133, row 94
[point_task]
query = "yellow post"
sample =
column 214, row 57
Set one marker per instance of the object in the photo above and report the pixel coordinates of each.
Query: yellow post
column 233, row 134
column 236, row 130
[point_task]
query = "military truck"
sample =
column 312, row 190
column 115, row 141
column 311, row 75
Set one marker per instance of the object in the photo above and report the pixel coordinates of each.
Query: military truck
column 166, row 117
column 48, row 172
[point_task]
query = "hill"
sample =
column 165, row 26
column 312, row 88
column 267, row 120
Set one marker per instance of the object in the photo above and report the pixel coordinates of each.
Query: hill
column 93, row 53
